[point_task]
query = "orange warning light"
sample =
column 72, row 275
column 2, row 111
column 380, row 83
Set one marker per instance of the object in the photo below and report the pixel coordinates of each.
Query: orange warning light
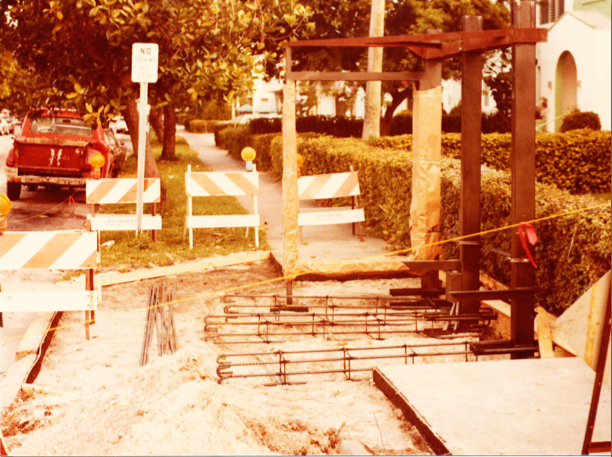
column 248, row 154
column 5, row 205
column 97, row 160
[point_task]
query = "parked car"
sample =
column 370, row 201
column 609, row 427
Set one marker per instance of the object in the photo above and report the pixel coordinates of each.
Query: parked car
column 118, row 125
column 55, row 148
column 5, row 127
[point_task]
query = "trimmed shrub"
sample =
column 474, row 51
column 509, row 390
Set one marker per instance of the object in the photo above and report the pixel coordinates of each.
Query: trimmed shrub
column 577, row 161
column 203, row 126
column 577, row 120
column 451, row 123
column 573, row 251
column 338, row 126
column 263, row 125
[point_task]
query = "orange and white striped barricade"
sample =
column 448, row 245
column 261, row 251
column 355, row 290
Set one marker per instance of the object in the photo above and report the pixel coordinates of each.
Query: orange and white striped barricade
column 215, row 184
column 51, row 250
column 329, row 186
column 118, row 191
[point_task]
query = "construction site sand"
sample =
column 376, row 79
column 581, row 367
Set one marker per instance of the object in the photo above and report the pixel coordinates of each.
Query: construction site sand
column 95, row 399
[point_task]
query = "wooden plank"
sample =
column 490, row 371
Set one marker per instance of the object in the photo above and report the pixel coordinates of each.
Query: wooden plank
column 544, row 337
column 113, row 191
column 237, row 220
column 429, row 265
column 202, row 265
column 65, row 300
column 331, row 217
column 124, row 222
column 62, row 250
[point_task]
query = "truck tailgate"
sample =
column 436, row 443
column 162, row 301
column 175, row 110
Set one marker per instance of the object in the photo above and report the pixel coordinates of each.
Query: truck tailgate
column 62, row 157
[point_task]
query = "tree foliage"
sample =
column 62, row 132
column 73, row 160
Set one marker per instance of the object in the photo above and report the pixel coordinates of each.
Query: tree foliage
column 341, row 18
column 82, row 49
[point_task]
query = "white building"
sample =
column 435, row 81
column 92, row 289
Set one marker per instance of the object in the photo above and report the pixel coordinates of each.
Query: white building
column 573, row 69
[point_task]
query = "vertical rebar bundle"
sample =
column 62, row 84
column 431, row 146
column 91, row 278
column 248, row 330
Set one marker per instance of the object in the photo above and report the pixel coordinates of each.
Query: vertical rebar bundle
column 160, row 320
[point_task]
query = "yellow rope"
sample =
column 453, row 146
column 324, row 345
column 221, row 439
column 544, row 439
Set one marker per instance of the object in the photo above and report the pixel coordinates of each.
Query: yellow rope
column 291, row 277
column 50, row 209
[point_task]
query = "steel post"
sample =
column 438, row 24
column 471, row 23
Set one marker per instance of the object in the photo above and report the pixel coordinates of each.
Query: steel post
column 523, row 171
column 471, row 132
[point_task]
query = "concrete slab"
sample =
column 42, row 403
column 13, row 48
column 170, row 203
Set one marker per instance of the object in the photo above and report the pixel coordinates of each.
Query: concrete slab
column 333, row 249
column 515, row 407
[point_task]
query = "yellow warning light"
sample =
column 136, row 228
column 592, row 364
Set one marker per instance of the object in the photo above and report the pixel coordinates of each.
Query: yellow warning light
column 248, row 154
column 5, row 205
column 97, row 160
column 300, row 160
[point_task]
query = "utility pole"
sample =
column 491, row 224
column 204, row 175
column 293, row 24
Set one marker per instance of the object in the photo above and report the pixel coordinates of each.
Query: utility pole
column 371, row 121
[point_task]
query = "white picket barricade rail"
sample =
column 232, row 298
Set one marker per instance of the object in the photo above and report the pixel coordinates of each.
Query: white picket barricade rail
column 216, row 184
column 50, row 250
column 327, row 186
column 117, row 191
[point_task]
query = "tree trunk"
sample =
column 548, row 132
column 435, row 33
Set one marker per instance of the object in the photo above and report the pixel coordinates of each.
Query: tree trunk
column 371, row 121
column 131, row 119
column 156, row 121
column 387, row 121
column 169, row 149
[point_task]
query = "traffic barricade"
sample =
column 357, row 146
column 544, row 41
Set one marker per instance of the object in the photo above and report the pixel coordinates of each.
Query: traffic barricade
column 118, row 191
column 330, row 186
column 50, row 250
column 216, row 184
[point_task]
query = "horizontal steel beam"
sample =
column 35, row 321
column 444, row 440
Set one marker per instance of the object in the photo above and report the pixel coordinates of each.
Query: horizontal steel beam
column 354, row 76
column 433, row 40
column 509, row 294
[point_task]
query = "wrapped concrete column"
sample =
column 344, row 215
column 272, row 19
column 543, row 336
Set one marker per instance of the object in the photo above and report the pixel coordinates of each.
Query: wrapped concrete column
column 290, row 186
column 426, row 174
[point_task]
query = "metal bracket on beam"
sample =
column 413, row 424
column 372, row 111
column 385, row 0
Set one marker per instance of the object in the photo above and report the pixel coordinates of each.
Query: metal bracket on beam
column 478, row 295
column 519, row 260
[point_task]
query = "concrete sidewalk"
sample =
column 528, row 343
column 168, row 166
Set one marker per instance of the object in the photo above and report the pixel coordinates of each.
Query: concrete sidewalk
column 326, row 243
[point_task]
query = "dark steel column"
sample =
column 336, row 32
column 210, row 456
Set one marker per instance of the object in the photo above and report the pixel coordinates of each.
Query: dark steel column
column 523, row 170
column 471, row 132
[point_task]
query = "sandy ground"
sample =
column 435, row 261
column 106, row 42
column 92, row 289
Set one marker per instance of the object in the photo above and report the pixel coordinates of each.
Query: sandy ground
column 95, row 399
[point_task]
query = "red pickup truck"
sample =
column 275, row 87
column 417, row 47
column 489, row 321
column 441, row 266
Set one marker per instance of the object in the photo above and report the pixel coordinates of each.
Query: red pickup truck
column 55, row 148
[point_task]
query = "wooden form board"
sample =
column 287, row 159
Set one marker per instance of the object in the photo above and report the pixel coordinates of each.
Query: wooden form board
column 60, row 300
column 124, row 222
column 201, row 265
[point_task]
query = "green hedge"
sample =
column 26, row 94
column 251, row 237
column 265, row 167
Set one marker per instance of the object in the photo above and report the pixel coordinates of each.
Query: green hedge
column 203, row 126
column 577, row 161
column 572, row 251
column 580, row 120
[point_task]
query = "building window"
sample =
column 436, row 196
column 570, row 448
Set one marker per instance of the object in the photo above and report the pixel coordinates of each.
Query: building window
column 551, row 10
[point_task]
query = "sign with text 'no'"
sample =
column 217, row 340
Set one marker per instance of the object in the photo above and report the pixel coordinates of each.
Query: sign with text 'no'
column 144, row 62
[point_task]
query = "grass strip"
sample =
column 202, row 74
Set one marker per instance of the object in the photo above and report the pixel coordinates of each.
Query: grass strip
column 130, row 251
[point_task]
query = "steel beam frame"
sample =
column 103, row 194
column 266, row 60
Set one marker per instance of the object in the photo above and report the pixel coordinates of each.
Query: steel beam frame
column 470, row 45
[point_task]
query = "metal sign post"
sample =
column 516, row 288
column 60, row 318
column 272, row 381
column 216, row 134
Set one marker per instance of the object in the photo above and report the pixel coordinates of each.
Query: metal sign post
column 144, row 71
